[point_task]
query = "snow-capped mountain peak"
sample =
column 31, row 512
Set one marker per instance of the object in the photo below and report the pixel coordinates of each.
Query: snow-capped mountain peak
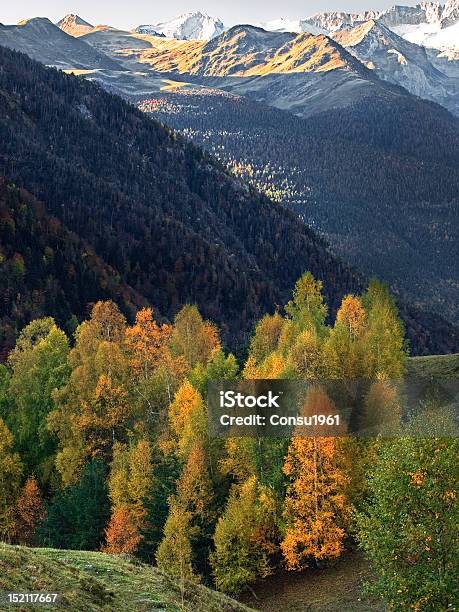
column 188, row 26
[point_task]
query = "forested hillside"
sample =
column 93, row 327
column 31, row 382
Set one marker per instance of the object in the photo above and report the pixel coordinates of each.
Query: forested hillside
column 378, row 180
column 159, row 211
column 44, row 268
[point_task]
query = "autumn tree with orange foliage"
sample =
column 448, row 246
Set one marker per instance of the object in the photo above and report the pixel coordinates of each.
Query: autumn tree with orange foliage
column 122, row 534
column 30, row 512
column 154, row 372
column 104, row 420
column 130, row 483
column 315, row 504
column 187, row 418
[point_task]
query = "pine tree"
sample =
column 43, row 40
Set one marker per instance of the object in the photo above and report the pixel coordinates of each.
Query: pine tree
column 307, row 309
column 193, row 338
column 219, row 367
column 174, row 555
column 77, row 517
column 384, row 344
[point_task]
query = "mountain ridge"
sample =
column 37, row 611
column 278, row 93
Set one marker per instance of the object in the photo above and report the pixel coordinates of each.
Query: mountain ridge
column 47, row 43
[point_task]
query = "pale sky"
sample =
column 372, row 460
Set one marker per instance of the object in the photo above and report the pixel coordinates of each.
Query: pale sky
column 127, row 14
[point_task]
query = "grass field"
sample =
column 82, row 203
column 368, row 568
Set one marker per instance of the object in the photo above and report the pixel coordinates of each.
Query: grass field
column 434, row 366
column 90, row 581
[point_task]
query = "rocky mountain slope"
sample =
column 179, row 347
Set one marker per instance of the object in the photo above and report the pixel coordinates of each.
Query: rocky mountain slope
column 397, row 60
column 430, row 24
column 248, row 52
column 75, row 26
column 164, row 215
column 303, row 73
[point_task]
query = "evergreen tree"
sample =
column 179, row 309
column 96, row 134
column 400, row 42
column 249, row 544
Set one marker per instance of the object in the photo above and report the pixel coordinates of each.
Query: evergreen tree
column 77, row 516
column 193, row 338
column 174, row 555
column 384, row 344
column 307, row 309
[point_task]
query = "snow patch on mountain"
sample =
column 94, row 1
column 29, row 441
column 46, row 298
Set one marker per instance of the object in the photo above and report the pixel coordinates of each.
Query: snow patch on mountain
column 289, row 25
column 189, row 26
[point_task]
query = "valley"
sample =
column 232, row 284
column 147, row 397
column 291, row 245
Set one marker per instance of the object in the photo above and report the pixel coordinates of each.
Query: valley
column 329, row 181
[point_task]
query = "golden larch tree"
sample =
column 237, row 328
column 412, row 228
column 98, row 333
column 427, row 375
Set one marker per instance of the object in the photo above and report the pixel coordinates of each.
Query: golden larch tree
column 315, row 505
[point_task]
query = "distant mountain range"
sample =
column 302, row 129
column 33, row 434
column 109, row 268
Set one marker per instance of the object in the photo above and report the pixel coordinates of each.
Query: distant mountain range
column 74, row 25
column 430, row 24
column 197, row 44
column 43, row 41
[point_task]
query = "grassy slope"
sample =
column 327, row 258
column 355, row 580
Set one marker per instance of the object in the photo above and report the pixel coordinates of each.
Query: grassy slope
column 90, row 581
column 434, row 366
